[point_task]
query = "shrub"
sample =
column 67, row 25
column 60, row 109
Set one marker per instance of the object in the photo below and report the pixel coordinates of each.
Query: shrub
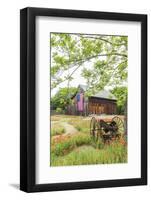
column 58, row 110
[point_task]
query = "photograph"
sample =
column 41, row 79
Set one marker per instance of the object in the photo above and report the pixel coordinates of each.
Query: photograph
column 83, row 99
column 88, row 99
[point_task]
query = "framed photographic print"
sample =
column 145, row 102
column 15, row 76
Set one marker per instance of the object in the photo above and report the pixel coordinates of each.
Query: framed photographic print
column 83, row 99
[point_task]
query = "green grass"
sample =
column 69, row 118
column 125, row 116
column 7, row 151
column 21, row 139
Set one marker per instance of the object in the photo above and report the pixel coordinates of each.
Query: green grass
column 85, row 155
column 81, row 148
column 62, row 117
column 57, row 129
column 65, row 145
column 80, row 124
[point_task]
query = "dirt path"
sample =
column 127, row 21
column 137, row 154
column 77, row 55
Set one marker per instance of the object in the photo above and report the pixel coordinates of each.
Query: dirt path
column 69, row 129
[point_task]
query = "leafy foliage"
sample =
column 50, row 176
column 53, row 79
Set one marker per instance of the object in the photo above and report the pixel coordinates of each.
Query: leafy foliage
column 121, row 95
column 106, row 54
column 62, row 98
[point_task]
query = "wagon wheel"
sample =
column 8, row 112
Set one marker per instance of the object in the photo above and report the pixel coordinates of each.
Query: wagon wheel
column 94, row 128
column 118, row 125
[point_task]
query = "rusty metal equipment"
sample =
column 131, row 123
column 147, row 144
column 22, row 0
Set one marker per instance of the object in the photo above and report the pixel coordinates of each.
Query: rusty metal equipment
column 106, row 128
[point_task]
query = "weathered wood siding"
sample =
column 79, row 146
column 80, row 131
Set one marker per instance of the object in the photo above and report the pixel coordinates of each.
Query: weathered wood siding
column 101, row 106
column 94, row 105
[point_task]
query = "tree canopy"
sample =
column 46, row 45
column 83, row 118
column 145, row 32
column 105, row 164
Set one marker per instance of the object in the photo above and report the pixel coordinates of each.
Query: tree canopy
column 106, row 54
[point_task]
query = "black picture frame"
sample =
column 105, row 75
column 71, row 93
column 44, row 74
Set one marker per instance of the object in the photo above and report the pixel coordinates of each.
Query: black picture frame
column 28, row 99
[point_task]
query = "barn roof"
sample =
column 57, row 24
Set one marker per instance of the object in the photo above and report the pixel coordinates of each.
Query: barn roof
column 84, row 87
column 105, row 94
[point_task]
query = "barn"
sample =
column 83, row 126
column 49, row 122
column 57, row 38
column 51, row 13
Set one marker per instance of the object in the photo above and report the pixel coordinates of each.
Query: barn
column 102, row 102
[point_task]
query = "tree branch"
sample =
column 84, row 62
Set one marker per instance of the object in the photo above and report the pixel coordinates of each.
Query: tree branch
column 99, row 38
column 99, row 55
column 81, row 61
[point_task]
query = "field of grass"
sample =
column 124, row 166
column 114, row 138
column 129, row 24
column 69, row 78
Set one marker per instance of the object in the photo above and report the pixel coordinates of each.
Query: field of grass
column 80, row 148
column 80, row 124
column 89, row 155
column 57, row 129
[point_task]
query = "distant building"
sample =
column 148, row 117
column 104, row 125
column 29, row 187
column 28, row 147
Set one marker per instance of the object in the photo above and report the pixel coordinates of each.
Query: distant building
column 102, row 102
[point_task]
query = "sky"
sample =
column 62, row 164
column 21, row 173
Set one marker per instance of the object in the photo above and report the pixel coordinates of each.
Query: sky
column 77, row 78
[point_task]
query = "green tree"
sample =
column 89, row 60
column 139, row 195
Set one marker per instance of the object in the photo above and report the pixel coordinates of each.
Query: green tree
column 62, row 98
column 121, row 95
column 106, row 54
